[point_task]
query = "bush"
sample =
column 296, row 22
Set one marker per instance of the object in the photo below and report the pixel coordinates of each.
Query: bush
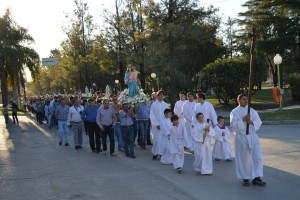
column 294, row 81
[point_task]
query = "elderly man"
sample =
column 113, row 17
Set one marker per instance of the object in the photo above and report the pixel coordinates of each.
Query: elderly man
column 106, row 120
column 248, row 156
column 75, row 122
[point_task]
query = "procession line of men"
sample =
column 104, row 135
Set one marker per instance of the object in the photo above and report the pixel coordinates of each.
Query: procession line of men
column 191, row 127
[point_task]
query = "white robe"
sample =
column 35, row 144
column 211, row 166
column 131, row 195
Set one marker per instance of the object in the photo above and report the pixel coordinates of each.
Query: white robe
column 203, row 156
column 178, row 140
column 165, row 127
column 208, row 111
column 222, row 148
column 248, row 155
column 178, row 110
column 156, row 115
column 188, row 113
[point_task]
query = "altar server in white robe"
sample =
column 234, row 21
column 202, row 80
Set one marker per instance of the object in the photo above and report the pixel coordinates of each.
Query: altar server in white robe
column 166, row 125
column 178, row 140
column 178, row 108
column 202, row 135
column 207, row 109
column 156, row 115
column 188, row 113
column 248, row 154
column 222, row 150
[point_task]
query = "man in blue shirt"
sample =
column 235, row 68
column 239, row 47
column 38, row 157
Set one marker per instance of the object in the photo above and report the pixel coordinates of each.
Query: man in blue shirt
column 127, row 130
column 89, row 115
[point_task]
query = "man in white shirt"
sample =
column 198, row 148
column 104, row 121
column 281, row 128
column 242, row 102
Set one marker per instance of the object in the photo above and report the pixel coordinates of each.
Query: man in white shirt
column 207, row 109
column 75, row 122
column 248, row 156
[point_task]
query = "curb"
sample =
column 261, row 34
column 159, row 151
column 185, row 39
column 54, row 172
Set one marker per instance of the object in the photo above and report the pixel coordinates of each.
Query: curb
column 280, row 122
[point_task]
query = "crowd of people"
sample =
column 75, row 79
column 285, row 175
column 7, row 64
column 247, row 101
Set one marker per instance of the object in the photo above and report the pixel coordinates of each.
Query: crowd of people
column 190, row 127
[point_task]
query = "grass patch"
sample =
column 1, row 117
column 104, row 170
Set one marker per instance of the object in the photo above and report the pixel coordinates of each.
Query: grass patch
column 20, row 111
column 292, row 114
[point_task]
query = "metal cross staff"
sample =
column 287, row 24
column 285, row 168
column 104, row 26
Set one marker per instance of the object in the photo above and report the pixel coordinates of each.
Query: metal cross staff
column 253, row 35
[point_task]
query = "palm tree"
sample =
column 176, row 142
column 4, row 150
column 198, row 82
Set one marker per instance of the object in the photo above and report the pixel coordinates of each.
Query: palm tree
column 17, row 56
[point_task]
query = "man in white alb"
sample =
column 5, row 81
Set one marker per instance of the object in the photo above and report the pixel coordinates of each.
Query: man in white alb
column 207, row 109
column 156, row 115
column 188, row 113
column 248, row 156
column 178, row 108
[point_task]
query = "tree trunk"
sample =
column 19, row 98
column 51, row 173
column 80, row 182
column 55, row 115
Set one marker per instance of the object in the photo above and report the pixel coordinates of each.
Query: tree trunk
column 171, row 56
column 3, row 76
column 142, row 77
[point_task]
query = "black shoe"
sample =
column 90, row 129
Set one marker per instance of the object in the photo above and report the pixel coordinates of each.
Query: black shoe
column 93, row 150
column 179, row 170
column 258, row 181
column 217, row 159
column 60, row 143
column 154, row 157
column 246, row 182
column 228, row 160
column 149, row 143
column 79, row 147
column 133, row 157
column 67, row 144
column 114, row 155
column 76, row 147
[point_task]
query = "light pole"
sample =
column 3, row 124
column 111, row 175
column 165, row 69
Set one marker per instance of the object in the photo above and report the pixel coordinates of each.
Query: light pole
column 277, row 61
column 153, row 76
column 117, row 85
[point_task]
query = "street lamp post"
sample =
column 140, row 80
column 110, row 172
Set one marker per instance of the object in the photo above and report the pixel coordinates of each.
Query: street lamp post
column 117, row 85
column 278, row 61
column 153, row 76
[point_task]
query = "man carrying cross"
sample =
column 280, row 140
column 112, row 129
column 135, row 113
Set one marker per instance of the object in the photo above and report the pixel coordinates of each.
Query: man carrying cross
column 248, row 156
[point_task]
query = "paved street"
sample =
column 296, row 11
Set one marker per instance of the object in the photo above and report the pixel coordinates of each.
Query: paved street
column 34, row 167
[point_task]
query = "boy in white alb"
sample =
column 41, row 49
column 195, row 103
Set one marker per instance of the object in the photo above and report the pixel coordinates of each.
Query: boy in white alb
column 178, row 140
column 166, row 125
column 222, row 150
column 202, row 135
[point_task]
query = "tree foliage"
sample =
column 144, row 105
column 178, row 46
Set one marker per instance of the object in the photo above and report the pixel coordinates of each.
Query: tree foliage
column 227, row 77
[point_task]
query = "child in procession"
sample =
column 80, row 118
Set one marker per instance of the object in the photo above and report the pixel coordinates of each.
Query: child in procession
column 202, row 135
column 166, row 126
column 222, row 150
column 178, row 140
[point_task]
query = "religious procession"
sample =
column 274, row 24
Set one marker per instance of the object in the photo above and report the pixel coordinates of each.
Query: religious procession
column 131, row 118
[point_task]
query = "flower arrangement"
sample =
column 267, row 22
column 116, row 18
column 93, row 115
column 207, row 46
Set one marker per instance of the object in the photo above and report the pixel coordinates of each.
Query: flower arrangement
column 86, row 95
column 139, row 98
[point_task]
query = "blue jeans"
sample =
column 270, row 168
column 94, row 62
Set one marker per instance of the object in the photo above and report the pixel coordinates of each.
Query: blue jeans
column 118, row 134
column 63, row 131
column 143, row 126
column 128, row 138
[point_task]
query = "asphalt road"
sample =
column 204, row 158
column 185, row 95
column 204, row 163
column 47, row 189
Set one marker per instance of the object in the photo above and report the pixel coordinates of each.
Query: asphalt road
column 34, row 167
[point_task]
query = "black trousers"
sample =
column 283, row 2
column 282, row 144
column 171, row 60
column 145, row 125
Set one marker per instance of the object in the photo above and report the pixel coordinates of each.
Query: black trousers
column 108, row 131
column 15, row 117
column 94, row 136
column 39, row 117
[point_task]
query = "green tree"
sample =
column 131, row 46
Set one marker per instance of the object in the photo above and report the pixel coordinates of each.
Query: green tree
column 277, row 22
column 228, row 76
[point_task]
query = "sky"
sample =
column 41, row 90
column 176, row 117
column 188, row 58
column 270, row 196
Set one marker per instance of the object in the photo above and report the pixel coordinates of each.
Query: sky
column 44, row 19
